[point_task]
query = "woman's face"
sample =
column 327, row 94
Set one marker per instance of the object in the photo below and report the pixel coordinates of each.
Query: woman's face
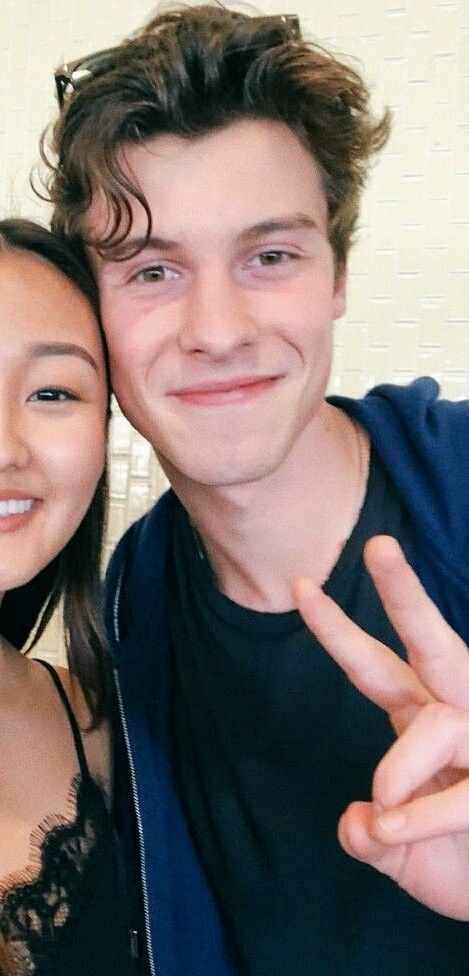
column 53, row 402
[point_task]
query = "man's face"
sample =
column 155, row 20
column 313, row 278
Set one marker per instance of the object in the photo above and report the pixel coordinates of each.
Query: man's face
column 219, row 331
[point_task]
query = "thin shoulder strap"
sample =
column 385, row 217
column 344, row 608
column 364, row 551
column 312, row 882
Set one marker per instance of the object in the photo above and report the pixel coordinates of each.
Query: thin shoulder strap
column 84, row 768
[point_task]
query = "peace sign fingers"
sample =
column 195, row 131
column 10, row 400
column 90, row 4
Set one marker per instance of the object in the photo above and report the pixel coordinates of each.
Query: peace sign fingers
column 437, row 654
column 371, row 666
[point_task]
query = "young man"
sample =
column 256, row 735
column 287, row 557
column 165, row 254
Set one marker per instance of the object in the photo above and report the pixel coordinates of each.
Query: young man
column 213, row 165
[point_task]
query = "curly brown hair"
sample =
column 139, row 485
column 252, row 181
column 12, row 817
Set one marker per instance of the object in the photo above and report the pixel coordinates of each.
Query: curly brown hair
column 190, row 71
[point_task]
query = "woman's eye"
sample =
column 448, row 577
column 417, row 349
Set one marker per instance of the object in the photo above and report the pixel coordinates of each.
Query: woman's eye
column 52, row 394
column 157, row 272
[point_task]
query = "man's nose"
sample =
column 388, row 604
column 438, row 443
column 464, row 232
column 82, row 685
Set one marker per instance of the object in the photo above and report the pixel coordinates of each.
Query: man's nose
column 218, row 320
column 14, row 452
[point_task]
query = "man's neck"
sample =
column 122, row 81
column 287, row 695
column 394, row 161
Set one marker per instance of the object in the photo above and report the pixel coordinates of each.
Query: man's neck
column 260, row 536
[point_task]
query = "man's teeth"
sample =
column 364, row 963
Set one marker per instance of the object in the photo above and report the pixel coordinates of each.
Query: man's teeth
column 15, row 506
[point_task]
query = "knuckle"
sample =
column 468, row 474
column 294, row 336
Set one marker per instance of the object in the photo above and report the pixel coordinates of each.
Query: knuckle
column 439, row 715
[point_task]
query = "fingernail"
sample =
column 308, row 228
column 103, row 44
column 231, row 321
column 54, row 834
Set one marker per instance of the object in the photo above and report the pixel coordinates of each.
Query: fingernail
column 391, row 822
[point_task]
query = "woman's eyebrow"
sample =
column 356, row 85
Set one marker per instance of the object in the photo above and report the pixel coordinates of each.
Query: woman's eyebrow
column 40, row 349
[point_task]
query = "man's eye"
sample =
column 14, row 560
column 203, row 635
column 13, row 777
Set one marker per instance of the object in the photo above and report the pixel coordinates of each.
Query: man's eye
column 157, row 272
column 268, row 259
column 52, row 394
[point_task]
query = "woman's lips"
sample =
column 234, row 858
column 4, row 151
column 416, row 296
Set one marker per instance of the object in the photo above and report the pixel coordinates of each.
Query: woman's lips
column 11, row 520
column 230, row 391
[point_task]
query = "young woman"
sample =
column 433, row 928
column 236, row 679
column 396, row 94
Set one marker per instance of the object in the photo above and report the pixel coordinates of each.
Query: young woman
column 61, row 895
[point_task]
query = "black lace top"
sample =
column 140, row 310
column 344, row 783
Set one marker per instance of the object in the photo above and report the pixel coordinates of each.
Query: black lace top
column 64, row 914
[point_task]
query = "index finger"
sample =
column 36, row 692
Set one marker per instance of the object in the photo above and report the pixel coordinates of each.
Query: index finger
column 438, row 655
column 371, row 666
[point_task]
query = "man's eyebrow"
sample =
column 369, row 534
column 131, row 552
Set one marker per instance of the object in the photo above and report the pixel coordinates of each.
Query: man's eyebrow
column 295, row 222
column 40, row 349
column 133, row 246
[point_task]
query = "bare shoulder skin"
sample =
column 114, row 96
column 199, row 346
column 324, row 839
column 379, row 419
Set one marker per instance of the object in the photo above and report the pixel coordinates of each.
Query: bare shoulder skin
column 39, row 760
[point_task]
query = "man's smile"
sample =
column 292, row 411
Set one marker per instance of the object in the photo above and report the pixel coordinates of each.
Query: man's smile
column 224, row 392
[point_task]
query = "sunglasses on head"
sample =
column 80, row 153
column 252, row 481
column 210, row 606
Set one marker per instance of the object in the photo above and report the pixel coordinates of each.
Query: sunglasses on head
column 72, row 75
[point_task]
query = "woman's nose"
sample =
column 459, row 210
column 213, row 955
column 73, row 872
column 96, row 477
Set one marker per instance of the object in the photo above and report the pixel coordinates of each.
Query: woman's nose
column 14, row 452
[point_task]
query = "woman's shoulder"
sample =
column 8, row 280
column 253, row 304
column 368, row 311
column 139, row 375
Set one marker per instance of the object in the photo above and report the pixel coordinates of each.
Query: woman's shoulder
column 31, row 712
column 96, row 741
column 40, row 767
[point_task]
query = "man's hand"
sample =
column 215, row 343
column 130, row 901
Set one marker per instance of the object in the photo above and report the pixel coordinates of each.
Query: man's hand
column 416, row 829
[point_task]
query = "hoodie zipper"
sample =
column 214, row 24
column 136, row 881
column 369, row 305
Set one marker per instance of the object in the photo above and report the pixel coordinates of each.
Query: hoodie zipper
column 133, row 779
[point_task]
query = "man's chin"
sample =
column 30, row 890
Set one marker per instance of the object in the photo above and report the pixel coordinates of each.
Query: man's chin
column 215, row 471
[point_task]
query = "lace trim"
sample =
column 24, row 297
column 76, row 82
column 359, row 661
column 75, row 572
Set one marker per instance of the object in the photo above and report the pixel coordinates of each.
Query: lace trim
column 36, row 902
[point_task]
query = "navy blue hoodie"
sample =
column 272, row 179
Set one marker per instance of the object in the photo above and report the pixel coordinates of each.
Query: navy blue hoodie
column 424, row 444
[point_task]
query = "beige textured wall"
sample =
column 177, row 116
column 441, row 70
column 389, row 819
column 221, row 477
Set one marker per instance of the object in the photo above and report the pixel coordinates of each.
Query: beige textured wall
column 407, row 307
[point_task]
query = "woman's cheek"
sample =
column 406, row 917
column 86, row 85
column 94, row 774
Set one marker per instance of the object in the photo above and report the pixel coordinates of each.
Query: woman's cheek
column 77, row 458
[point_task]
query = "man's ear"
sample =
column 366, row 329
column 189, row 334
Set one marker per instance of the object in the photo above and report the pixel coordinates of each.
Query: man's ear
column 339, row 300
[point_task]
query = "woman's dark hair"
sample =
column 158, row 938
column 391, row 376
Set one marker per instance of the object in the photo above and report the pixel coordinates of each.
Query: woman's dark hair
column 190, row 71
column 74, row 576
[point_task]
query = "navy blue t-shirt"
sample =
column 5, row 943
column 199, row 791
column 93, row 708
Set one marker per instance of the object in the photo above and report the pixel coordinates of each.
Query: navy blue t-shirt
column 271, row 743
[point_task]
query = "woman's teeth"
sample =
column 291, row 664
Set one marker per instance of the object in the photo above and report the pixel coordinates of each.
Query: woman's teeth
column 15, row 506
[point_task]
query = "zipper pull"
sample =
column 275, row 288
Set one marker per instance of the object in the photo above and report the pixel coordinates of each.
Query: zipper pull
column 134, row 944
